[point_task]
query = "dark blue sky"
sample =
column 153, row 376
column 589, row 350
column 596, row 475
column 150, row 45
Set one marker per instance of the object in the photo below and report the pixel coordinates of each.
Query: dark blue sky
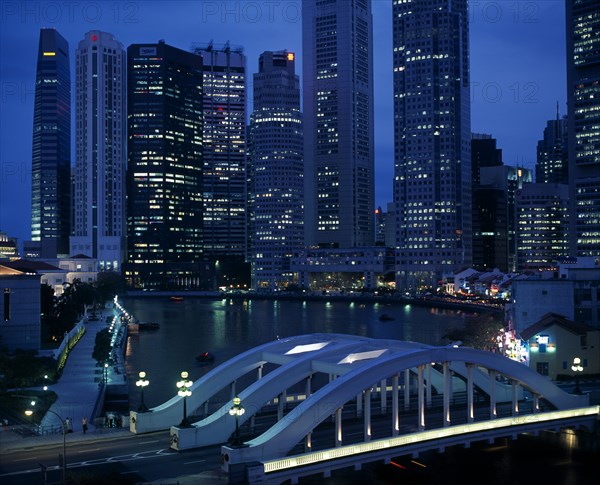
column 518, row 68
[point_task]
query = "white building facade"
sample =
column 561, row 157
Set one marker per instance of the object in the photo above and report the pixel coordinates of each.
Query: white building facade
column 100, row 150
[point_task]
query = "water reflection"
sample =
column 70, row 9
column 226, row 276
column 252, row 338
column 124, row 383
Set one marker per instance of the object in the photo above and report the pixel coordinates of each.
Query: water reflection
column 228, row 327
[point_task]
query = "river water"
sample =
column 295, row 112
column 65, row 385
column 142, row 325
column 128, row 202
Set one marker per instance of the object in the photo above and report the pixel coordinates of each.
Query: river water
column 230, row 326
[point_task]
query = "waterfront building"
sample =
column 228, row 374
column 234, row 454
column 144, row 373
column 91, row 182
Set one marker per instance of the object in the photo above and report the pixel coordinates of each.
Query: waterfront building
column 342, row 270
column 432, row 180
column 542, row 225
column 224, row 152
column 572, row 290
column 20, row 304
column 165, row 167
column 275, row 171
column 509, row 179
column 552, row 153
column 583, row 101
column 8, row 247
column 337, row 42
column 484, row 153
column 51, row 152
column 554, row 341
column 100, row 150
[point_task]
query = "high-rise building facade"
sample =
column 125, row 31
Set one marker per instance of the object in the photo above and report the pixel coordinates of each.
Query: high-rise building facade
column 542, row 217
column 583, row 101
column 224, row 151
column 432, row 180
column 337, row 43
column 100, row 150
column 275, row 171
column 484, row 153
column 164, row 172
column 552, row 153
column 509, row 179
column 51, row 154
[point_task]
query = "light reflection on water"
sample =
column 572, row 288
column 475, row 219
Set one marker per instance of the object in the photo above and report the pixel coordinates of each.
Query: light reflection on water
column 227, row 327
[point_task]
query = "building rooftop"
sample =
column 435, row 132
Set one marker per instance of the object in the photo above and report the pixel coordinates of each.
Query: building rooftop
column 550, row 319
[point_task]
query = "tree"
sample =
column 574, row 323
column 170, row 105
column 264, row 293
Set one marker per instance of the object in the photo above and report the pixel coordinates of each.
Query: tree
column 480, row 332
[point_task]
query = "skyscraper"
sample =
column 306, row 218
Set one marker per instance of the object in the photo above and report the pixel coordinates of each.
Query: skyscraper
column 275, row 171
column 583, row 101
column 338, row 122
column 164, row 173
column 224, row 148
column 51, row 155
column 542, row 225
column 432, row 183
column 552, row 153
column 100, row 150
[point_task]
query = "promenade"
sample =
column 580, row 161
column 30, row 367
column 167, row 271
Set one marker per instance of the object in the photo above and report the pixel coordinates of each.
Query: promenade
column 79, row 392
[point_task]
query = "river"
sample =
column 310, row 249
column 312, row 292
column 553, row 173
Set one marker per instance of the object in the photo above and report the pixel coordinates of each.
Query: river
column 229, row 326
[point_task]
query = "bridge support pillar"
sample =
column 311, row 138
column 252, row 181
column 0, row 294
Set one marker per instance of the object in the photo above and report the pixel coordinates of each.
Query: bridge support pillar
column 428, row 388
column 280, row 406
column 383, row 396
column 259, row 372
column 493, row 412
column 406, row 389
column 536, row 403
column 470, row 409
column 206, row 408
column 307, row 387
column 308, row 442
column 515, row 397
column 395, row 419
column 232, row 391
column 338, row 427
column 367, row 414
column 359, row 405
column 447, row 393
column 421, row 397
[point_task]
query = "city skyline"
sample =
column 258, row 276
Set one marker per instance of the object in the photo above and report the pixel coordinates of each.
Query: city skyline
column 512, row 75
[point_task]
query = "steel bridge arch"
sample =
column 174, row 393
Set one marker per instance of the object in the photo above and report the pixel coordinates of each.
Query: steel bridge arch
column 283, row 436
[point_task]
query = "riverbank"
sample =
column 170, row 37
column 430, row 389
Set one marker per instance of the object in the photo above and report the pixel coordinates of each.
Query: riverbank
column 424, row 301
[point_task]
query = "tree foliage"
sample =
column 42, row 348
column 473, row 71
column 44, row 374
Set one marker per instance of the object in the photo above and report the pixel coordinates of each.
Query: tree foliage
column 480, row 332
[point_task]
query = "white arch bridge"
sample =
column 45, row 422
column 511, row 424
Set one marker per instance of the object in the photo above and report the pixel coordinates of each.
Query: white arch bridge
column 429, row 397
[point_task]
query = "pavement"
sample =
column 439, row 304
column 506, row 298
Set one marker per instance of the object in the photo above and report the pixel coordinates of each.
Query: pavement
column 78, row 390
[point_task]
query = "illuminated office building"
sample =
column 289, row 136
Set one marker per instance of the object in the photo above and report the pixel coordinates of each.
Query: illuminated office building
column 224, row 152
column 583, row 101
column 164, row 173
column 337, row 42
column 51, row 154
column 552, row 153
column 432, row 179
column 275, row 171
column 100, row 150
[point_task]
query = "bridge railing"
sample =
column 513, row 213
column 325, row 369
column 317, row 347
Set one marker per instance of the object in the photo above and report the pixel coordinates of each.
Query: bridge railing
column 423, row 436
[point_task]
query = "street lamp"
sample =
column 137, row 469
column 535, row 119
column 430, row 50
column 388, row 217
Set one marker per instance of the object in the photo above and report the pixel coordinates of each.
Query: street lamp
column 29, row 412
column 237, row 410
column 142, row 382
column 105, row 374
column 183, row 385
column 577, row 368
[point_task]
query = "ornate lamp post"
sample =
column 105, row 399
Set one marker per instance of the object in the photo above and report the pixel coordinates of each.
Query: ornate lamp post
column 237, row 410
column 577, row 368
column 29, row 412
column 141, row 383
column 183, row 385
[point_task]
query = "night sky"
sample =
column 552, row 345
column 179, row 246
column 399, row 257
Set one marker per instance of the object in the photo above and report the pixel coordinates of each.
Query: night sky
column 518, row 71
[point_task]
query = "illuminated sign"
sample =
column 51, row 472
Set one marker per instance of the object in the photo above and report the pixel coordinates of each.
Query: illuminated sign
column 147, row 51
column 543, row 339
column 290, row 56
column 49, row 54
